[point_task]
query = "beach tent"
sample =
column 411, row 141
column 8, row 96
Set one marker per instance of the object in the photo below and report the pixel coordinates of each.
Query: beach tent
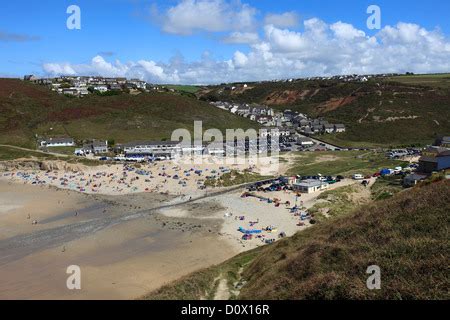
column 248, row 231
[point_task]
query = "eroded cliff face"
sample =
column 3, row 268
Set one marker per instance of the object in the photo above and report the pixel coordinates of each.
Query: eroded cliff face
column 40, row 165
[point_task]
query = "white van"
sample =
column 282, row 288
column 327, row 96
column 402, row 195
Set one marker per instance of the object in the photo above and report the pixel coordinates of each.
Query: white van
column 358, row 176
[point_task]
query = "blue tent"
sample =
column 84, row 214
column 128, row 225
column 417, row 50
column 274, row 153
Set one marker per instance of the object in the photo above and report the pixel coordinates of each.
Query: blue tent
column 248, row 231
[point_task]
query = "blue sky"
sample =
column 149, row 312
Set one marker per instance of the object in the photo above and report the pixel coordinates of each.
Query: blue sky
column 184, row 41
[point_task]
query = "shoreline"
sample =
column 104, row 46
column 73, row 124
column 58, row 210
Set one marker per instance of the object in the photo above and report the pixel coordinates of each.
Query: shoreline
column 123, row 253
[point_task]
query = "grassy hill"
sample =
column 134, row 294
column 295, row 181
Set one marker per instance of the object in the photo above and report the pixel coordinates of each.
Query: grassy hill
column 397, row 111
column 27, row 109
column 406, row 236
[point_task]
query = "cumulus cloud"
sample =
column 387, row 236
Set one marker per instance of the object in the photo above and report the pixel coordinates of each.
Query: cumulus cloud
column 191, row 16
column 320, row 50
column 283, row 20
column 346, row 31
column 242, row 38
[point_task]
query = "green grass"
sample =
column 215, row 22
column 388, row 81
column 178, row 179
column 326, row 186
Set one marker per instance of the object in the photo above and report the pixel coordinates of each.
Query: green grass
column 432, row 80
column 183, row 88
column 343, row 163
column 234, row 178
column 203, row 284
column 7, row 153
column 62, row 150
column 335, row 202
column 385, row 187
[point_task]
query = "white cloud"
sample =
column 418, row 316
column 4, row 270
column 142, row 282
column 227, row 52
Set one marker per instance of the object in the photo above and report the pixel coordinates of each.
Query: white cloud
column 346, row 31
column 240, row 59
column 284, row 20
column 242, row 38
column 190, row 16
column 320, row 50
column 285, row 40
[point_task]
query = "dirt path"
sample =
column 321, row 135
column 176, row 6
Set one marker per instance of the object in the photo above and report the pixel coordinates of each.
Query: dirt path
column 222, row 292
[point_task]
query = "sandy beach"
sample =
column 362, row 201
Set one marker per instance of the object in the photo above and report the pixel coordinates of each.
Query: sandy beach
column 252, row 213
column 183, row 176
column 130, row 229
column 122, row 245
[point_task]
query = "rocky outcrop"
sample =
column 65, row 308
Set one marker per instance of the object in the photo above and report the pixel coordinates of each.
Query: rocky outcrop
column 40, row 165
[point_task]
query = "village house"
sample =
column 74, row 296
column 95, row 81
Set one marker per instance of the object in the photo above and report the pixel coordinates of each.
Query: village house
column 412, row 179
column 339, row 128
column 275, row 132
column 30, row 77
column 99, row 146
column 310, row 186
column 57, row 142
column 305, row 142
column 443, row 142
column 434, row 159
column 328, row 128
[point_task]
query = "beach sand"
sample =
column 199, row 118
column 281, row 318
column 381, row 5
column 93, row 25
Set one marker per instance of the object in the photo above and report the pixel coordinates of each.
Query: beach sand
column 231, row 206
column 123, row 247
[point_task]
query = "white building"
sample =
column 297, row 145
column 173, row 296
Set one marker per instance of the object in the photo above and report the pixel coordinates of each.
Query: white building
column 58, row 142
column 153, row 149
column 310, row 186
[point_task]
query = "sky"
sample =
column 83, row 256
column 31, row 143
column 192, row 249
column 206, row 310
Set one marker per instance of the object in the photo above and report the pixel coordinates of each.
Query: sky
column 215, row 41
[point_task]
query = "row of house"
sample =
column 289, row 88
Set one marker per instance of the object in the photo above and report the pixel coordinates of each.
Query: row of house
column 286, row 120
column 92, row 147
column 173, row 148
column 81, row 86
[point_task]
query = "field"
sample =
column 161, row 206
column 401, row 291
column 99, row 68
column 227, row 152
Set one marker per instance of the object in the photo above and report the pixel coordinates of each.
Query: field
column 183, row 88
column 28, row 109
column 406, row 236
column 343, row 163
column 7, row 153
column 429, row 80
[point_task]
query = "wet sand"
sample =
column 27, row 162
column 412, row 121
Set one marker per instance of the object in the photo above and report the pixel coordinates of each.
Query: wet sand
column 123, row 246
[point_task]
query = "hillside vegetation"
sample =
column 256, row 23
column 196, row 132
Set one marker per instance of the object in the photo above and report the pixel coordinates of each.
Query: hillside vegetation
column 406, row 236
column 27, row 109
column 398, row 111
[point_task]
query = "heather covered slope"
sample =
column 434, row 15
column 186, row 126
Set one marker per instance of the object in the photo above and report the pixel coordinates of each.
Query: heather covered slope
column 406, row 236
column 27, row 109
column 380, row 111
